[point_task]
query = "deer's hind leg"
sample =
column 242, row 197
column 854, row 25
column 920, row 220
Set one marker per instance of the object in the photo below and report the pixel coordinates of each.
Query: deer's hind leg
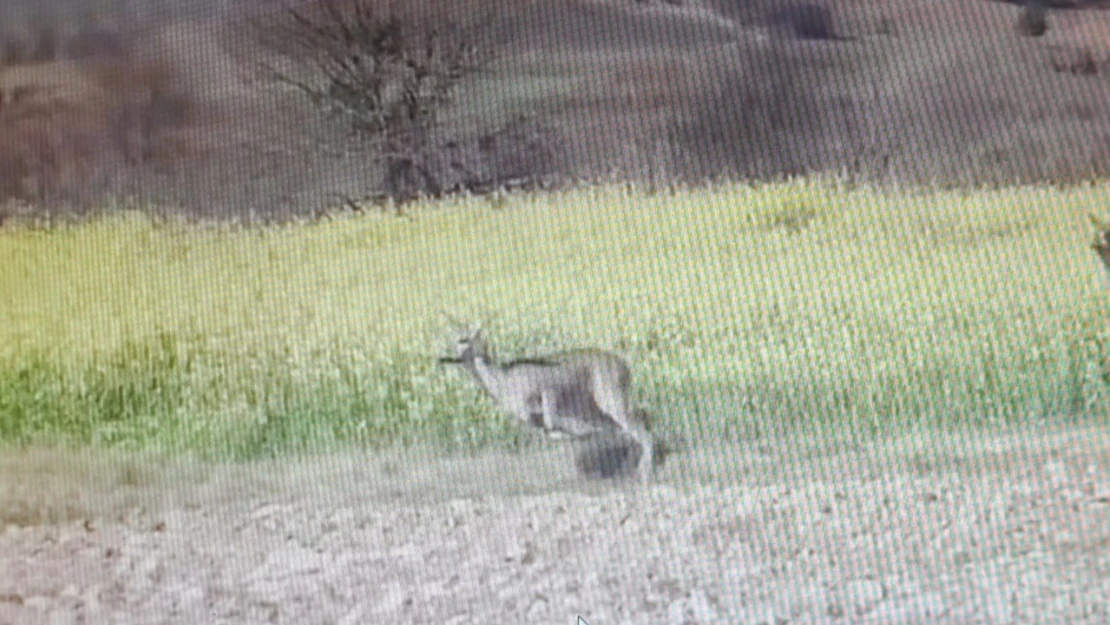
column 614, row 399
column 571, row 413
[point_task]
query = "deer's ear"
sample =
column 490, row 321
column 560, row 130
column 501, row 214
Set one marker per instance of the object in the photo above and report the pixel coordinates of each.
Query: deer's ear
column 457, row 325
column 477, row 333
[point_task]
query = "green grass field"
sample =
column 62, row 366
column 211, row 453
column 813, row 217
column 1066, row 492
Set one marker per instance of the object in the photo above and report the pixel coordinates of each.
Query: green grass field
column 742, row 311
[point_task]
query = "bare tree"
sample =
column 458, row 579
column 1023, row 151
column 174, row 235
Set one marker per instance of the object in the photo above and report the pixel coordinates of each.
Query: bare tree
column 385, row 69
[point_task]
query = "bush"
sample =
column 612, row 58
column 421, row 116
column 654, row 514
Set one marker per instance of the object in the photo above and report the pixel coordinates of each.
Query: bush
column 774, row 118
column 1032, row 22
column 66, row 131
column 804, row 21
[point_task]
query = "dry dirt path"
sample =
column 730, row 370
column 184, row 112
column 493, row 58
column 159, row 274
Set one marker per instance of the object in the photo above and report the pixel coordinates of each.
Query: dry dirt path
column 1001, row 528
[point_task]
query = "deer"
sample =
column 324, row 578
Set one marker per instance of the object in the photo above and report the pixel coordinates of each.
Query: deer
column 577, row 395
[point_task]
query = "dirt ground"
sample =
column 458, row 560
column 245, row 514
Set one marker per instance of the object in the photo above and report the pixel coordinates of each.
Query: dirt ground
column 1007, row 527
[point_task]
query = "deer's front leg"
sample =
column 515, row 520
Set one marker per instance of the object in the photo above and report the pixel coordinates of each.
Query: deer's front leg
column 547, row 412
column 532, row 411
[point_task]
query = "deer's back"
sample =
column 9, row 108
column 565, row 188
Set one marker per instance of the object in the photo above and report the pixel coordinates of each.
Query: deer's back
column 585, row 367
column 601, row 365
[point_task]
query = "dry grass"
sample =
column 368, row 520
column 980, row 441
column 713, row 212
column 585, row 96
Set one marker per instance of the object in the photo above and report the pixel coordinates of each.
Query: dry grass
column 52, row 486
column 42, row 486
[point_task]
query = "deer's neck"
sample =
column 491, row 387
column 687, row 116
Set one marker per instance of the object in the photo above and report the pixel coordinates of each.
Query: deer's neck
column 489, row 374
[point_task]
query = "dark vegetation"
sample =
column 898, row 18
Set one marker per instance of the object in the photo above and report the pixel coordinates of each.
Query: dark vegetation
column 1033, row 20
column 267, row 110
column 804, row 21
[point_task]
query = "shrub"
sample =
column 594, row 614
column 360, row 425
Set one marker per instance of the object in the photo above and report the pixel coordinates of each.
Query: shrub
column 804, row 21
column 1032, row 22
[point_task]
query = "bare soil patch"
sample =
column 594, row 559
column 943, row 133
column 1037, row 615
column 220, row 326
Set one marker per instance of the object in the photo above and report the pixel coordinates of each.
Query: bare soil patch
column 948, row 528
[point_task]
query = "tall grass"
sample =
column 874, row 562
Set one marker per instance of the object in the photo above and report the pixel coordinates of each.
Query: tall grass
column 741, row 309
